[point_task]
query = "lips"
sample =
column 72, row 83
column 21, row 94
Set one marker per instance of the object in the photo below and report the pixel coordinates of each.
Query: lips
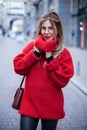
column 47, row 37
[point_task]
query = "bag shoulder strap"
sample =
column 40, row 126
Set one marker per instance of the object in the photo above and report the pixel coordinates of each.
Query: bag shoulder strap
column 20, row 86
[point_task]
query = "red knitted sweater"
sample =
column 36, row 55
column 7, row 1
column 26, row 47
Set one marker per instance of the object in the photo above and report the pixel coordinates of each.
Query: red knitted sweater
column 43, row 97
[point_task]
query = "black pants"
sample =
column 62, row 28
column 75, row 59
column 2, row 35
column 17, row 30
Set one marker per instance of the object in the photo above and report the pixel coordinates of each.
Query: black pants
column 28, row 123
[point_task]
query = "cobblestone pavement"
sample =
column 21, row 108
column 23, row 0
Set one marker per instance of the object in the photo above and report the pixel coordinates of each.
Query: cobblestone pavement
column 76, row 110
column 75, row 100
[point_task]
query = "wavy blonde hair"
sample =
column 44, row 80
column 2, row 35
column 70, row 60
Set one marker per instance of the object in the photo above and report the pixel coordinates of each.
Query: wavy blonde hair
column 55, row 20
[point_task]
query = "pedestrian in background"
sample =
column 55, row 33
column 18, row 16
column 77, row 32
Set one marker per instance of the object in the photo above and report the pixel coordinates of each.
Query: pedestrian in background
column 48, row 67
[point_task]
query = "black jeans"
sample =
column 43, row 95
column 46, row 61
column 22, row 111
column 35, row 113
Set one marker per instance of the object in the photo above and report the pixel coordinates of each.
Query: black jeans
column 28, row 123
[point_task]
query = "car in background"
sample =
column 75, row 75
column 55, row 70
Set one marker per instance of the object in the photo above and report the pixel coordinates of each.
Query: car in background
column 11, row 34
column 22, row 37
column 1, row 33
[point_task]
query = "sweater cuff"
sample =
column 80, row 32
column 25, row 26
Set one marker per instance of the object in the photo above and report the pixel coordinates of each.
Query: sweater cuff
column 54, row 64
column 49, row 59
column 37, row 53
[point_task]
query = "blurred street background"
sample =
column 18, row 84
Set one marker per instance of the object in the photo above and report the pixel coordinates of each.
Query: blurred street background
column 18, row 21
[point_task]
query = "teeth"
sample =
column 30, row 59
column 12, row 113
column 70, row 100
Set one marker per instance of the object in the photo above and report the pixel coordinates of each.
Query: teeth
column 47, row 37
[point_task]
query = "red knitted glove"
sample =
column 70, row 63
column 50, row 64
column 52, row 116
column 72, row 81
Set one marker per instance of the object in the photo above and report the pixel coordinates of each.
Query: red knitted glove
column 46, row 46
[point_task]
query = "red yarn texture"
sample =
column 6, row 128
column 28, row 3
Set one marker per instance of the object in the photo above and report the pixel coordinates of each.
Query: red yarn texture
column 43, row 96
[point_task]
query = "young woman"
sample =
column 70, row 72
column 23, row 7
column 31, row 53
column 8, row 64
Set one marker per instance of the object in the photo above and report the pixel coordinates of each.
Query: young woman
column 48, row 68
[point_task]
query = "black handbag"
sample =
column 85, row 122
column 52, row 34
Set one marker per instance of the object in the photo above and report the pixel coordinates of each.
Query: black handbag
column 18, row 96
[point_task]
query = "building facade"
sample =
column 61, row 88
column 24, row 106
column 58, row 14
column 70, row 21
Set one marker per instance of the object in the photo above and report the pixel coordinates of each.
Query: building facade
column 79, row 39
column 74, row 17
column 11, row 11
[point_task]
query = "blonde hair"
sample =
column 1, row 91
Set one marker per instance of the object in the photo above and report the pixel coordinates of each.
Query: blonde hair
column 54, row 18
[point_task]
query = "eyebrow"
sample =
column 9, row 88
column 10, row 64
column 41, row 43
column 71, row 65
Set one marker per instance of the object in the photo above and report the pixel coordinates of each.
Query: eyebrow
column 47, row 26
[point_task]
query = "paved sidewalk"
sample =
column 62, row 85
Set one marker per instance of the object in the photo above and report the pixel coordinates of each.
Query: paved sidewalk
column 76, row 109
column 76, row 80
column 79, row 61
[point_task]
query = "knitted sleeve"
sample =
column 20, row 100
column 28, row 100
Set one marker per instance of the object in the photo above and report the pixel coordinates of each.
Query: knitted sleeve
column 24, row 61
column 60, row 69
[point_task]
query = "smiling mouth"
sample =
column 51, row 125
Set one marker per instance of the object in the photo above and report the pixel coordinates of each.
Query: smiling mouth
column 47, row 37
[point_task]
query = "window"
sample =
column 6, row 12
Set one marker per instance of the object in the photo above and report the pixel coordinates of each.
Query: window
column 83, row 32
column 82, row 3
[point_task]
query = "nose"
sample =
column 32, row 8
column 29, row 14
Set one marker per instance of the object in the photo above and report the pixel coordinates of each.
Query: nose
column 46, row 31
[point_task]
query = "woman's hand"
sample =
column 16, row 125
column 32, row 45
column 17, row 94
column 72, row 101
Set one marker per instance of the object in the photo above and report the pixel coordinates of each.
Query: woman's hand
column 36, row 49
column 48, row 54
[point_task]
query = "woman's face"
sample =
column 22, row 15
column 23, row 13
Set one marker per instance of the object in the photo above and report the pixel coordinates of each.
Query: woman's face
column 48, row 31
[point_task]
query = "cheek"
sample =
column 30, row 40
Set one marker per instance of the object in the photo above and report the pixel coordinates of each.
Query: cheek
column 43, row 35
column 42, row 31
column 55, row 33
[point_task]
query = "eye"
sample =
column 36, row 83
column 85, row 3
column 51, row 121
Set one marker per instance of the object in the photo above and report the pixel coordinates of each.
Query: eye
column 50, row 28
column 43, row 28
